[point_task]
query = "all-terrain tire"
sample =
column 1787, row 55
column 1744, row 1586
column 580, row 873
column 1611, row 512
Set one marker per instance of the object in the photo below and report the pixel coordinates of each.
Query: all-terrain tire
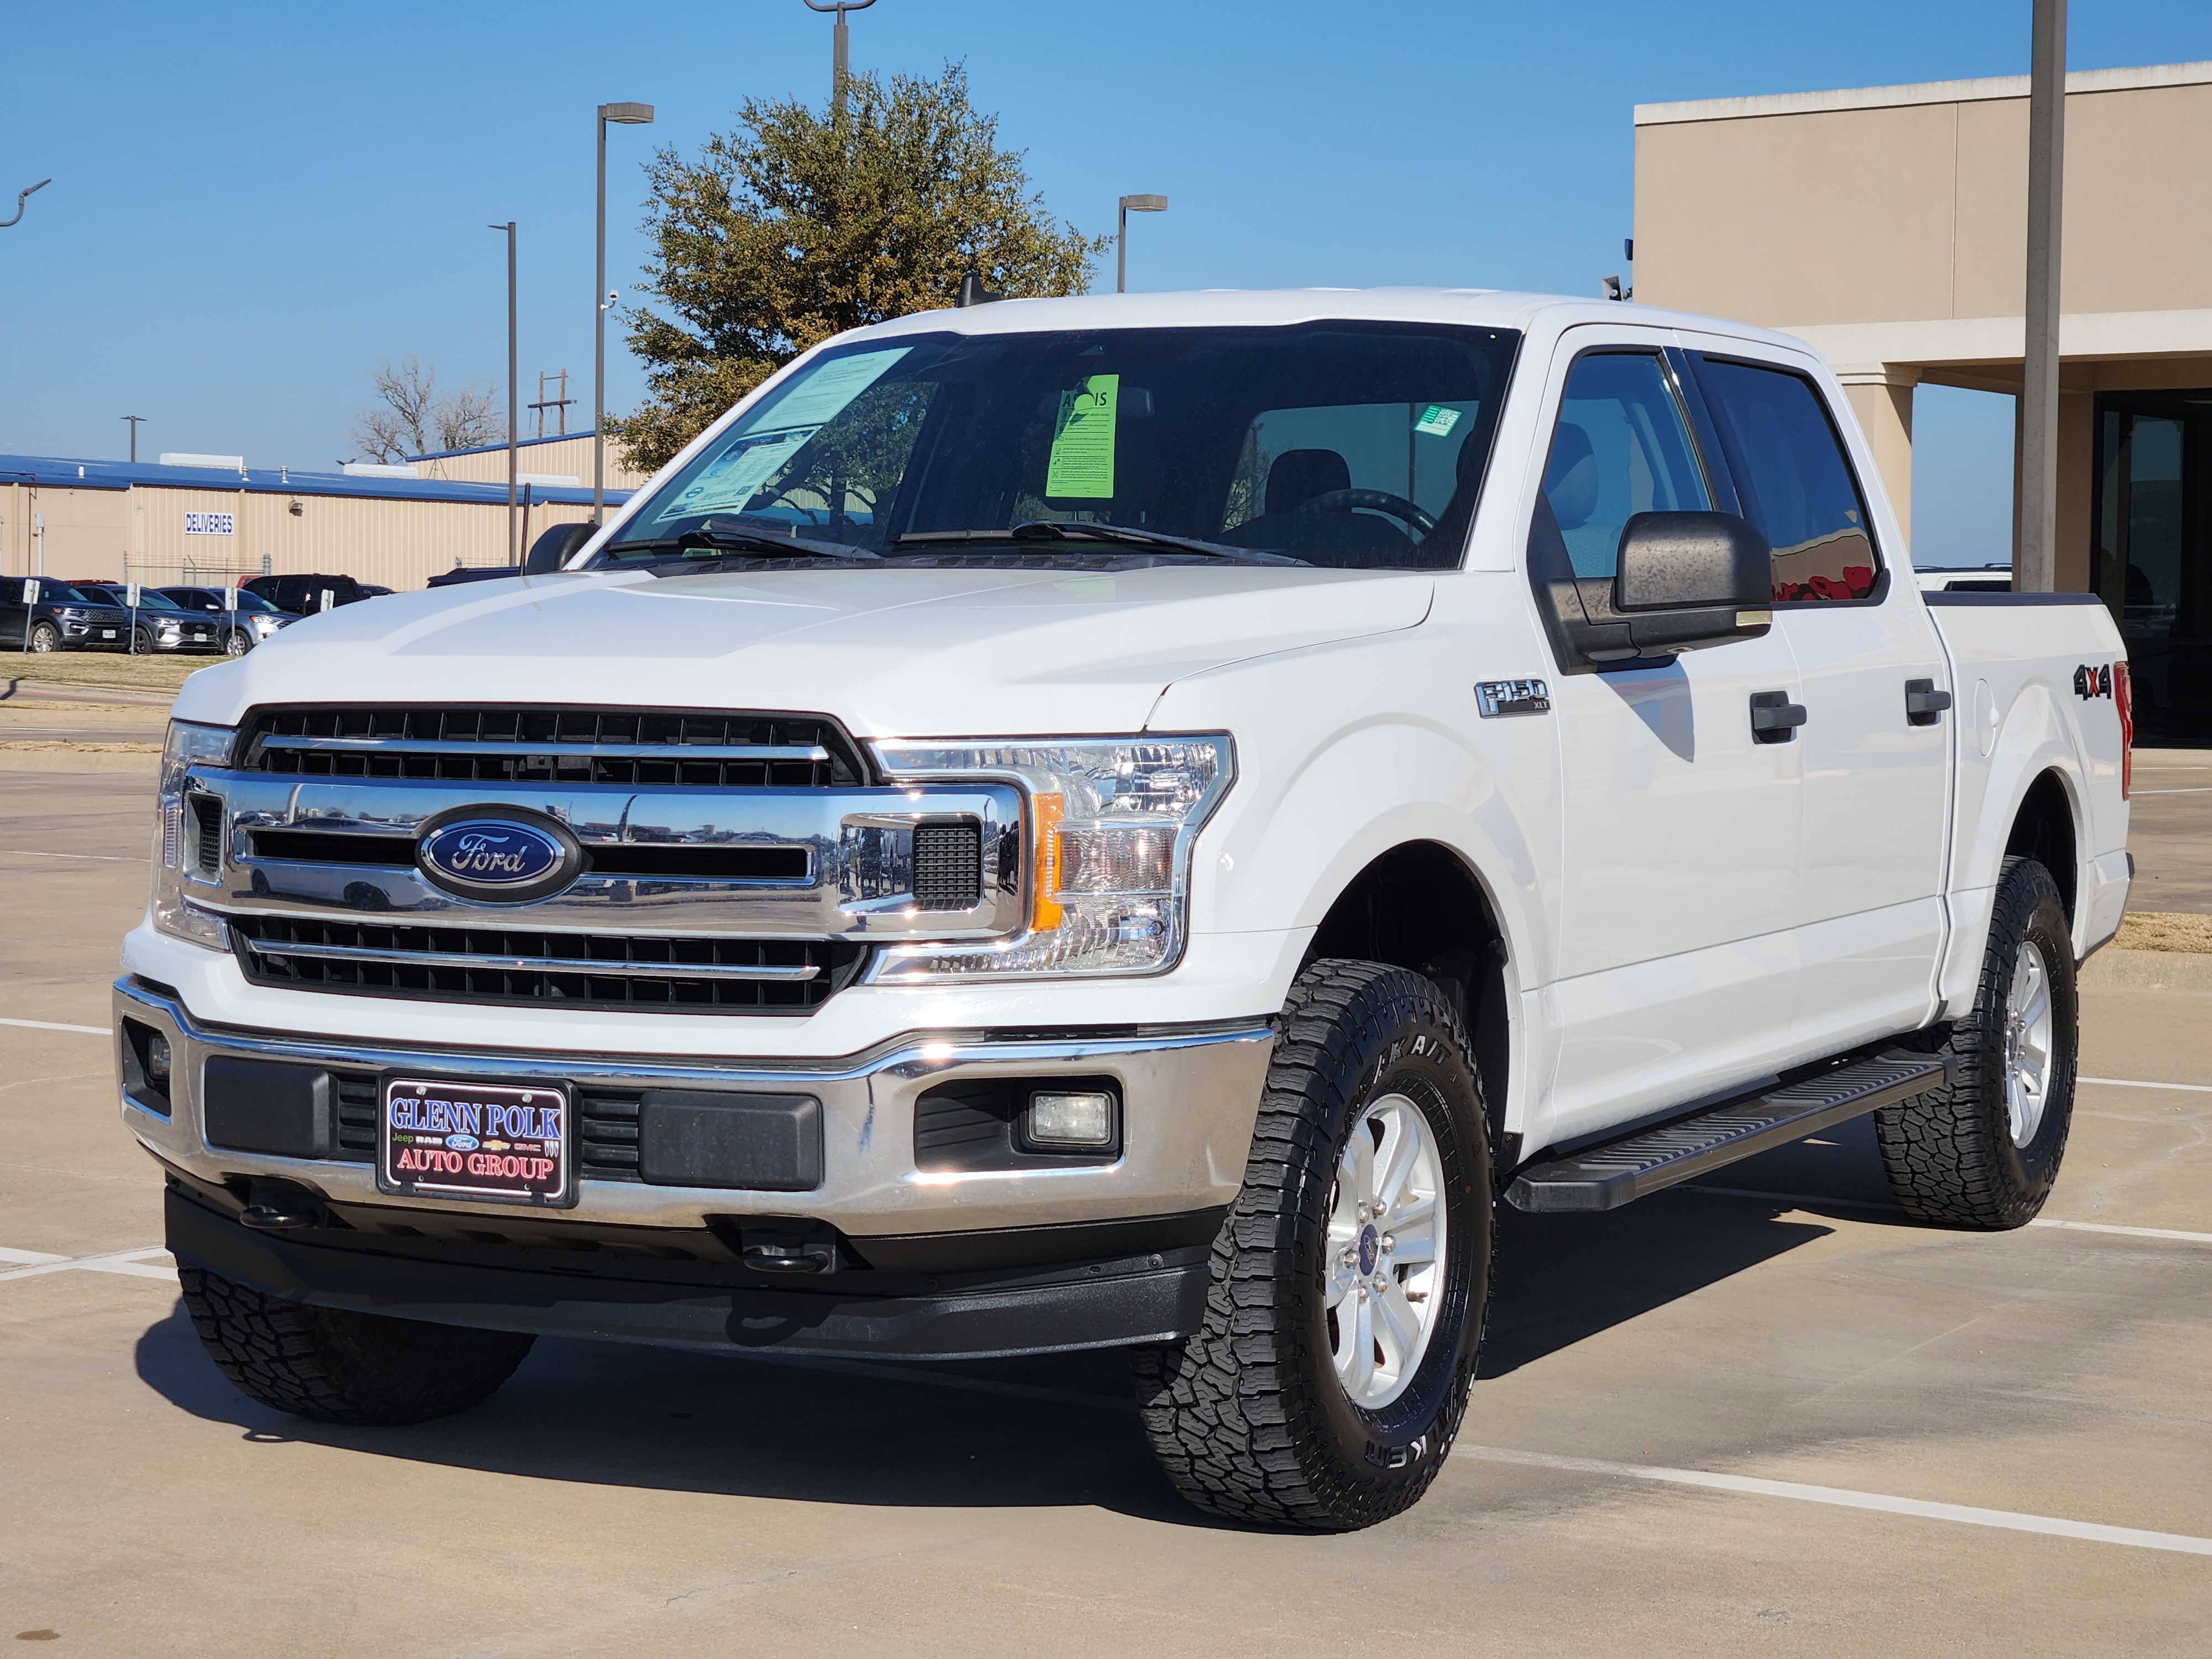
column 341, row 1367
column 1247, row 1416
column 1949, row 1153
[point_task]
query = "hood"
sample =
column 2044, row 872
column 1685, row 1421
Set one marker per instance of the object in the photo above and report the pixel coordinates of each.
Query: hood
column 895, row 653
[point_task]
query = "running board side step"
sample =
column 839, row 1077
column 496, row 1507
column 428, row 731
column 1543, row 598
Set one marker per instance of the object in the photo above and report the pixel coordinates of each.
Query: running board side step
column 1614, row 1173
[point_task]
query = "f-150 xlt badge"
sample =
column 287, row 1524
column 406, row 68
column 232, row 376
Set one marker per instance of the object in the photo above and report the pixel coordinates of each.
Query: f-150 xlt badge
column 2093, row 681
column 477, row 854
column 1496, row 697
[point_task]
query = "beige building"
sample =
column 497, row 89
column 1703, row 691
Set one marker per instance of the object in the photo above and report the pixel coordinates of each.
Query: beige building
column 549, row 461
column 1888, row 226
column 158, row 524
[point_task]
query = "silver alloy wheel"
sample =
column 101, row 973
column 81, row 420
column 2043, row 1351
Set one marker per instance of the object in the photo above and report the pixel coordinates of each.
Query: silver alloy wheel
column 234, row 643
column 1384, row 1272
column 2027, row 1046
column 43, row 638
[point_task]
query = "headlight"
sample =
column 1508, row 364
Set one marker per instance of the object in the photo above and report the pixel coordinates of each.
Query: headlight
column 177, row 852
column 1109, row 825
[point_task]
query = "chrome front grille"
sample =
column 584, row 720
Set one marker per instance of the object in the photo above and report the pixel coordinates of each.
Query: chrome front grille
column 681, row 748
column 525, row 967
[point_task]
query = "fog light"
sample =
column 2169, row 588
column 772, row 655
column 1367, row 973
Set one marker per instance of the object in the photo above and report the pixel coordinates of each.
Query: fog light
column 1069, row 1120
column 157, row 1058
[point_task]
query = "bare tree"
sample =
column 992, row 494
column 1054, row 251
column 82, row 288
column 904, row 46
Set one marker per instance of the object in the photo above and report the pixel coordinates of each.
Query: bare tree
column 410, row 418
column 467, row 420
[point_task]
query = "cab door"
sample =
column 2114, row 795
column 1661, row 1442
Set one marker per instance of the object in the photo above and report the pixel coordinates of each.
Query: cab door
column 1681, row 831
column 1874, row 747
column 14, row 614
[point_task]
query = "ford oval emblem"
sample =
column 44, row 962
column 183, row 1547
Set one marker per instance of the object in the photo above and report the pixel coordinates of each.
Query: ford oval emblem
column 504, row 858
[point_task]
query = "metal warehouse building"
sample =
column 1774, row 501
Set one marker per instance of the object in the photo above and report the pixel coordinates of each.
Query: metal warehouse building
column 155, row 523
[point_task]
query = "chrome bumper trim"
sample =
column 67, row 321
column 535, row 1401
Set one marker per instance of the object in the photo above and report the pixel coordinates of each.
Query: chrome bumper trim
column 1191, row 1094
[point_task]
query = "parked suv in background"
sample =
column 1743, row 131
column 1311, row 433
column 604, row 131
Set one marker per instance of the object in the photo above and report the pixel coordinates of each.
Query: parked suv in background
column 160, row 622
column 55, row 617
column 254, row 620
column 302, row 596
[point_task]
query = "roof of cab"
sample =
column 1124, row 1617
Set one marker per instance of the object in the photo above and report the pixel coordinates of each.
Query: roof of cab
column 1479, row 307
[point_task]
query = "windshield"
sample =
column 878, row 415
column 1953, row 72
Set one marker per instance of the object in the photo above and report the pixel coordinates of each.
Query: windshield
column 1352, row 445
column 148, row 599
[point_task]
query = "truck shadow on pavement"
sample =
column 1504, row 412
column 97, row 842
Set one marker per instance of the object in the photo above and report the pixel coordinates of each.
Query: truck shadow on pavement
column 1054, row 1431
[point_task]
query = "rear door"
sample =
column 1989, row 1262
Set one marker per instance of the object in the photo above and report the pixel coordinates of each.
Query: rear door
column 1680, row 859
column 1869, row 919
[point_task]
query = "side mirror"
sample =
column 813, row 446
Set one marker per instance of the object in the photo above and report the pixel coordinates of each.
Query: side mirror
column 1692, row 561
column 553, row 550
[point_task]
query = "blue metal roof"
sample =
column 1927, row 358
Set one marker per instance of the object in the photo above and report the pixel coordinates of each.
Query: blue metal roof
column 61, row 472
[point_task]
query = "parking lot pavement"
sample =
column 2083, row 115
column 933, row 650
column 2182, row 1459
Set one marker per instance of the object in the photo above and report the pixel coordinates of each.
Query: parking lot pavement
column 1923, row 1441
column 2170, row 830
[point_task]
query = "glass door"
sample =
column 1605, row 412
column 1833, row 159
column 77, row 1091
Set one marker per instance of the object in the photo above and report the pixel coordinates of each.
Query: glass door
column 2150, row 560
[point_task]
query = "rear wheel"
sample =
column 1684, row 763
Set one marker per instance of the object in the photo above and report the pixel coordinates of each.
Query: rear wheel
column 1351, row 1278
column 44, row 636
column 1984, row 1151
column 341, row 1367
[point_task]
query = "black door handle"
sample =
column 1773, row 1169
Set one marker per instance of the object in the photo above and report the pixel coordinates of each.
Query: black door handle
column 1774, row 718
column 1923, row 703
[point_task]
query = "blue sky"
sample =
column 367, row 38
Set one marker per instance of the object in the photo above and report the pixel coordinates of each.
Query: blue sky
column 252, row 204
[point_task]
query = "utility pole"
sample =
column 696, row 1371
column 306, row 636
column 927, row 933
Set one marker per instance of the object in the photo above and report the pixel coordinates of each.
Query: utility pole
column 634, row 115
column 840, row 46
column 2035, row 568
column 135, row 420
column 513, row 393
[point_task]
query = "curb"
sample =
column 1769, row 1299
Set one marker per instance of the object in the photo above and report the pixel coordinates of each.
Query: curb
column 2114, row 969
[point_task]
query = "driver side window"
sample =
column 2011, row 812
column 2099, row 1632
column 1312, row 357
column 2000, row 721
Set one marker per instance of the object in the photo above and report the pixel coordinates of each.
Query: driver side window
column 1621, row 448
column 1301, row 460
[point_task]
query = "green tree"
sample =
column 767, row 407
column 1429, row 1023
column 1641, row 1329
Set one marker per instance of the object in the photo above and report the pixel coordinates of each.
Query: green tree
column 796, row 226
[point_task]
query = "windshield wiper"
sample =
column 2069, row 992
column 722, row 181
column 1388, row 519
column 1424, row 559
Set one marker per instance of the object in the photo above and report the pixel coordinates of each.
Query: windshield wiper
column 1122, row 535
column 735, row 537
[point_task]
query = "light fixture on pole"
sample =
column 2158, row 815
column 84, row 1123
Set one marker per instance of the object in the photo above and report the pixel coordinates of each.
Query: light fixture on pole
column 840, row 41
column 514, row 421
column 1131, row 204
column 21, row 195
column 629, row 115
column 135, row 421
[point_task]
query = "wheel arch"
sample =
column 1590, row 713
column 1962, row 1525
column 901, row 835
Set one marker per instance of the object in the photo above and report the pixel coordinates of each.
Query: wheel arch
column 1421, row 905
column 2046, row 826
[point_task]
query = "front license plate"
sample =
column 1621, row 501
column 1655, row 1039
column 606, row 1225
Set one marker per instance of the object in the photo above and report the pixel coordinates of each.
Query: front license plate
column 107, row 633
column 497, row 1142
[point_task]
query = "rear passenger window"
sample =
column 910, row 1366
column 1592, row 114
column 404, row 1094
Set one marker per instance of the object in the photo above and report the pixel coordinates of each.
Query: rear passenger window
column 1619, row 448
column 1796, row 485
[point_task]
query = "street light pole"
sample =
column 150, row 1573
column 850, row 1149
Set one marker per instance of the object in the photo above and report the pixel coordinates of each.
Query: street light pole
column 135, row 420
column 632, row 115
column 839, row 42
column 1129, row 205
column 21, row 195
column 513, row 414
column 2036, row 567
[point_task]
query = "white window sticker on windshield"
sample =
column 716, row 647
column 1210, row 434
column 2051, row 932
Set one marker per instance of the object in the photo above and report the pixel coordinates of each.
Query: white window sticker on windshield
column 1437, row 421
column 736, row 476
column 817, row 397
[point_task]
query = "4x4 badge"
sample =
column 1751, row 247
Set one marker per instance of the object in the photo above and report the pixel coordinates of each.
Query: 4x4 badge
column 2093, row 680
column 1497, row 697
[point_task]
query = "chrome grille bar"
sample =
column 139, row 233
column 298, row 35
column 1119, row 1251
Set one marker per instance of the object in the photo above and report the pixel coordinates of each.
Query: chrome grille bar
column 600, row 967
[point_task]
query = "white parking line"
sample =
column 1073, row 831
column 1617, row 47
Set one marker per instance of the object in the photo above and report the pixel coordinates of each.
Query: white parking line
column 2125, row 1232
column 49, row 1025
column 132, row 1264
column 2137, row 1082
column 1817, row 1200
column 1842, row 1498
column 28, row 1258
column 89, row 858
column 2200, row 791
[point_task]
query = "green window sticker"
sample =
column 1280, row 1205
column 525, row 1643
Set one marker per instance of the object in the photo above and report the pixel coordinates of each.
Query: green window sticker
column 1437, row 421
column 1082, row 463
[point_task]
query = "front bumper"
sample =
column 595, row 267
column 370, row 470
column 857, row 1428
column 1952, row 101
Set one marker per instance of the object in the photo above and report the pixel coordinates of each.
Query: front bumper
column 1041, row 1247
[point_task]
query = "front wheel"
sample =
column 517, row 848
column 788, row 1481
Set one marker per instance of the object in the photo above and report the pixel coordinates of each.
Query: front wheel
column 341, row 1367
column 45, row 637
column 235, row 643
column 1351, row 1278
column 142, row 643
column 1984, row 1151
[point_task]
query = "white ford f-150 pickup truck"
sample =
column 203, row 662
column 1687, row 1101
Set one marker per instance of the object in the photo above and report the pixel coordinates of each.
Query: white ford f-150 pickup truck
column 1121, row 822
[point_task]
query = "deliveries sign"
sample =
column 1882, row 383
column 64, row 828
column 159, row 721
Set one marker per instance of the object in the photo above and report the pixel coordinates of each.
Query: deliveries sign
column 211, row 524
